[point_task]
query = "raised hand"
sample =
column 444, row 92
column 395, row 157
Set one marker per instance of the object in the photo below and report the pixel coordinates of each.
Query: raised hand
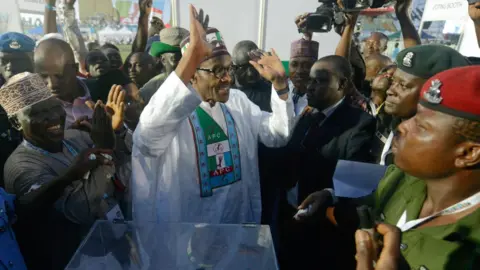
column 145, row 6
column 390, row 254
column 198, row 48
column 301, row 22
column 402, row 5
column 474, row 12
column 198, row 26
column 270, row 67
column 102, row 132
column 116, row 106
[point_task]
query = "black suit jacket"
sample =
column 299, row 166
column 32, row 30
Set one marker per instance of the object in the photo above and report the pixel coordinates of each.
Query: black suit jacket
column 346, row 134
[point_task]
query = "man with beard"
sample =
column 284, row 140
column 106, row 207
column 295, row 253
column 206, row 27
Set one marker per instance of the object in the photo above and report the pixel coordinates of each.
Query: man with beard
column 50, row 156
column 140, row 67
column 415, row 65
column 432, row 193
column 303, row 54
column 329, row 130
column 168, row 54
column 55, row 63
column 16, row 56
column 246, row 77
column 195, row 148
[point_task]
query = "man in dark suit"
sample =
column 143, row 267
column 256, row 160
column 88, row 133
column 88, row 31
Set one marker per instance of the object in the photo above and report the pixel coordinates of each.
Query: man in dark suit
column 330, row 129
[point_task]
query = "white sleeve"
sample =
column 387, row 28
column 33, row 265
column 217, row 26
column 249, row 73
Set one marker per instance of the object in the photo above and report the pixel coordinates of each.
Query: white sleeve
column 274, row 128
column 160, row 120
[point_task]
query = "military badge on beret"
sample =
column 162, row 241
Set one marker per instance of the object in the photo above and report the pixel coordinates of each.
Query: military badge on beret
column 408, row 59
column 15, row 45
column 433, row 94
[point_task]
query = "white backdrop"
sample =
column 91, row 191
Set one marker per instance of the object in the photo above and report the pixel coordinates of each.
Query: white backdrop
column 281, row 29
column 236, row 20
column 239, row 20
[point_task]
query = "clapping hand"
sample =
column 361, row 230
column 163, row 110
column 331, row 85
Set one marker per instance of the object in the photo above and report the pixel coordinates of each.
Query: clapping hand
column 116, row 106
column 270, row 67
column 390, row 254
column 102, row 133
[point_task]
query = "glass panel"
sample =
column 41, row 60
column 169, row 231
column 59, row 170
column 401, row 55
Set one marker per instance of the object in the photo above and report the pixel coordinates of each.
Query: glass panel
column 175, row 246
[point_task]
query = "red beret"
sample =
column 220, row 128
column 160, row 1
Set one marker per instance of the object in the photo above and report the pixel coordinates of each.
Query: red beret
column 455, row 92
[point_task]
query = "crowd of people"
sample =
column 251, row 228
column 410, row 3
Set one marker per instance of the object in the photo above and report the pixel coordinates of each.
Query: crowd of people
column 185, row 131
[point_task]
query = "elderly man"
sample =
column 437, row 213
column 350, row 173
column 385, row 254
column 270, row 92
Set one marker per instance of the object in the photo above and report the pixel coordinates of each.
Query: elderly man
column 415, row 65
column 167, row 52
column 218, row 181
column 376, row 43
column 49, row 155
column 432, row 194
column 303, row 54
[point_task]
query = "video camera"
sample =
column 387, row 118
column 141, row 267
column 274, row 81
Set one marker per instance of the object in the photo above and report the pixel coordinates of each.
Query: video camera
column 329, row 13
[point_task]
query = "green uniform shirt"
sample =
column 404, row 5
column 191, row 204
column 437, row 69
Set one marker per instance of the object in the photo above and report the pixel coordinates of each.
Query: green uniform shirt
column 454, row 246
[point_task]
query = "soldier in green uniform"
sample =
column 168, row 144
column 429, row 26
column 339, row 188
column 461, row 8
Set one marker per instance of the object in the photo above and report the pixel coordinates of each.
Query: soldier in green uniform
column 432, row 194
column 415, row 65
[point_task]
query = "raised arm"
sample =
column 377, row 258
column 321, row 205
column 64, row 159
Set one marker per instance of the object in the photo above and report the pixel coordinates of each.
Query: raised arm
column 174, row 101
column 474, row 12
column 273, row 128
column 410, row 34
column 140, row 41
column 50, row 17
column 73, row 35
column 344, row 46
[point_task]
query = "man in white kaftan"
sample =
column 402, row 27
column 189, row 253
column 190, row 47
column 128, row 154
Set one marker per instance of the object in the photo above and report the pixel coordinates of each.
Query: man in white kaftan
column 168, row 185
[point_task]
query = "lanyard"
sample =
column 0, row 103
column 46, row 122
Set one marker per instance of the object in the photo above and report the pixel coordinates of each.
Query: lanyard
column 466, row 204
column 386, row 148
column 46, row 153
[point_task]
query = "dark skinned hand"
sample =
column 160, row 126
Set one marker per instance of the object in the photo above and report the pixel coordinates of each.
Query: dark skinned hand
column 402, row 5
column 102, row 133
column 83, row 164
column 83, row 124
column 390, row 254
column 145, row 6
column 270, row 67
column 319, row 202
column 474, row 12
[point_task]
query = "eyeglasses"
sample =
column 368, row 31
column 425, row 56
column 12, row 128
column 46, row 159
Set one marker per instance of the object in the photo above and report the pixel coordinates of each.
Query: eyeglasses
column 218, row 72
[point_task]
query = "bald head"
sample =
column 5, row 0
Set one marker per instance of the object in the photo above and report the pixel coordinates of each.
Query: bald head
column 375, row 44
column 54, row 48
column 375, row 63
column 241, row 50
column 55, row 62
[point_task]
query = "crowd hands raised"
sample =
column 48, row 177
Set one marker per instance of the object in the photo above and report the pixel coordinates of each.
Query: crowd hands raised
column 74, row 153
